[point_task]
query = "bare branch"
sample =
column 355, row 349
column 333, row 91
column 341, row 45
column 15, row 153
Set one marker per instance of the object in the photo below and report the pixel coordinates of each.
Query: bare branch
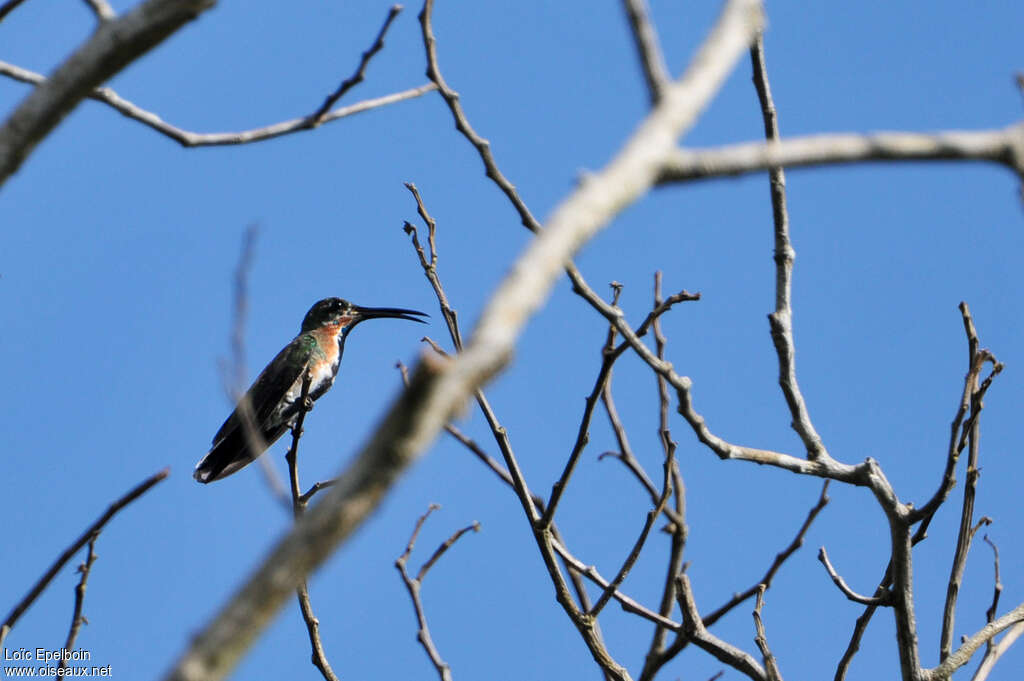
column 187, row 138
column 356, row 78
column 970, row 429
column 656, row 654
column 708, row 642
column 645, row 37
column 654, row 664
column 628, row 604
column 847, row 591
column 317, row 486
column 113, row 46
column 443, row 548
column 235, row 378
column 1005, row 147
column 430, row 265
column 318, row 657
column 413, row 585
column 625, row 453
column 781, row 320
column 770, row 664
column 959, row 432
column 780, row 558
column 990, row 614
column 634, row 553
column 77, row 618
column 576, row 567
column 962, row 655
column 83, row 539
column 882, row 590
column 995, row 652
column 582, row 434
column 316, row 117
column 626, row 456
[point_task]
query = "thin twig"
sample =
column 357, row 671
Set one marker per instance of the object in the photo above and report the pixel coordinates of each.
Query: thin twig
column 651, row 668
column 645, row 38
column 429, row 265
column 414, row 584
column 966, row 415
column 625, row 453
column 975, row 392
column 443, row 548
column 235, row 377
column 90, row 532
column 609, row 355
column 781, row 320
column 771, row 666
column 780, row 558
column 655, row 656
column 317, row 486
column 847, row 591
column 997, row 589
column 77, row 618
column 628, row 603
column 189, row 139
column 708, row 642
column 608, row 358
column 316, row 118
column 634, row 553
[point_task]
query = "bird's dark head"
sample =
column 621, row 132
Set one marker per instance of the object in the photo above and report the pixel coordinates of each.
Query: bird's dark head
column 331, row 311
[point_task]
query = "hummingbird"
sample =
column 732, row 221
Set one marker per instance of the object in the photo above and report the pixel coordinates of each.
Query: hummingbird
column 274, row 397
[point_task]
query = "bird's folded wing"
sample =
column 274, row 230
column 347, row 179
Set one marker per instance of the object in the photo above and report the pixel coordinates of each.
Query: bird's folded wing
column 272, row 385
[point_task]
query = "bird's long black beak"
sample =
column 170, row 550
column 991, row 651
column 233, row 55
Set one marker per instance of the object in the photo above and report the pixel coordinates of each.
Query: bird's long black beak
column 395, row 312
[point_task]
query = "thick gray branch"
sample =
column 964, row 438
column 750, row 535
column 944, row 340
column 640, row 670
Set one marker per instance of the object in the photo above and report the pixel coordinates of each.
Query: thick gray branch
column 113, row 46
column 1004, row 146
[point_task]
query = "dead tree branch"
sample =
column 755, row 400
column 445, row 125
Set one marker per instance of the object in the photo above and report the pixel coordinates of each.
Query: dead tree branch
column 77, row 618
column 356, row 78
column 113, row 46
column 85, row 538
column 1004, row 147
column 771, row 666
column 648, row 49
column 187, row 138
column 414, row 584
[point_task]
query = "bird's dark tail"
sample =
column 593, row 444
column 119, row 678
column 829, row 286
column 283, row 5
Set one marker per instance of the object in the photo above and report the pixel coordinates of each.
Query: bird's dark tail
column 233, row 452
column 227, row 456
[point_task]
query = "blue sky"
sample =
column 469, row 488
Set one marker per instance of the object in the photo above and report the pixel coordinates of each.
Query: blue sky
column 116, row 268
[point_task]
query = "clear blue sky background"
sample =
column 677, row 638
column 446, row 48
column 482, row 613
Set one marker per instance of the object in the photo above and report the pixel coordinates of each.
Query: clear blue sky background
column 116, row 260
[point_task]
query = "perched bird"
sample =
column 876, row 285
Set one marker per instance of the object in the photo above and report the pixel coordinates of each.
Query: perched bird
column 273, row 399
